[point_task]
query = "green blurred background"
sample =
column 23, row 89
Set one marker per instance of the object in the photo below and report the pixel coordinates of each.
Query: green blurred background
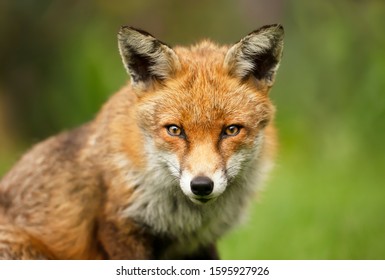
column 326, row 197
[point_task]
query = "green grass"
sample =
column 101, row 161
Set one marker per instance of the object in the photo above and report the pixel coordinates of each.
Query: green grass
column 326, row 197
column 319, row 205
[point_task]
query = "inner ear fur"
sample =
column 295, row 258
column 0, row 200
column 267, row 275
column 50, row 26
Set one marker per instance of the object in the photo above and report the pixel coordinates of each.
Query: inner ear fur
column 257, row 55
column 145, row 58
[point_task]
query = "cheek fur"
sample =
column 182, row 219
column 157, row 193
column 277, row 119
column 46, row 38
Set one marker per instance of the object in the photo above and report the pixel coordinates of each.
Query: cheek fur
column 164, row 141
column 242, row 154
column 167, row 150
column 231, row 145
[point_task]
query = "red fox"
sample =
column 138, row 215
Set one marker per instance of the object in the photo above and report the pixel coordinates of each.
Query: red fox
column 168, row 166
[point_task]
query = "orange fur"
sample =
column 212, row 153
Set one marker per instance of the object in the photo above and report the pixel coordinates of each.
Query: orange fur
column 99, row 191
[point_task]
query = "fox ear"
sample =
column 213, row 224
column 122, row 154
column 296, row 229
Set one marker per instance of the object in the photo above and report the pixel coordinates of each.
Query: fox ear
column 145, row 58
column 258, row 54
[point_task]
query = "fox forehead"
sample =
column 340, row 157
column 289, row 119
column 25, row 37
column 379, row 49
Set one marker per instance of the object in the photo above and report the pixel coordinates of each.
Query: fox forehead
column 203, row 93
column 205, row 52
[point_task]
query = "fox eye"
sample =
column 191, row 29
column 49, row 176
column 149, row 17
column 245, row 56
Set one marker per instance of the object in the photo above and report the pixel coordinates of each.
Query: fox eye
column 174, row 130
column 231, row 130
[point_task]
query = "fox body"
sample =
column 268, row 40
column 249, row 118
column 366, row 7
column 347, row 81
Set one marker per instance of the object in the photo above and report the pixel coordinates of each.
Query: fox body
column 167, row 167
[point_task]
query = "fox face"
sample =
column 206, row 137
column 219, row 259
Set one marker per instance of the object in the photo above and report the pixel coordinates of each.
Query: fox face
column 205, row 141
column 203, row 110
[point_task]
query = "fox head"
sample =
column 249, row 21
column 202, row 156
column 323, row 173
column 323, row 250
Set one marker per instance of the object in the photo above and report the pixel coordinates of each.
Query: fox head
column 203, row 110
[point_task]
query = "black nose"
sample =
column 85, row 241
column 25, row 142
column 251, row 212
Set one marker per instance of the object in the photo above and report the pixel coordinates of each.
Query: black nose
column 202, row 185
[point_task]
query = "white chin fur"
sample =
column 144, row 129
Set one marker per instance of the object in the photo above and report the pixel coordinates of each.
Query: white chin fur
column 203, row 201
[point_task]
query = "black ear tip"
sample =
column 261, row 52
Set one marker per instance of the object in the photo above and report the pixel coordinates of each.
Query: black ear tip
column 280, row 29
column 271, row 28
column 276, row 26
column 126, row 29
column 279, row 26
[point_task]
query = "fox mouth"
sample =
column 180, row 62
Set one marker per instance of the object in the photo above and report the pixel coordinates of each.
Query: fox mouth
column 202, row 200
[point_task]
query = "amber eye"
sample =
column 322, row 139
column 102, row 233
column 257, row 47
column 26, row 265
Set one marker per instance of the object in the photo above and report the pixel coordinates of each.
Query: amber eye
column 232, row 130
column 174, row 130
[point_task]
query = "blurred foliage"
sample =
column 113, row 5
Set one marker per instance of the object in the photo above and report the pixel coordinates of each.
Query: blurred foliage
column 326, row 198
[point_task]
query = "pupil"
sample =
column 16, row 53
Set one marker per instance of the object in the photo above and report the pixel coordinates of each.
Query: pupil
column 174, row 130
column 232, row 130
